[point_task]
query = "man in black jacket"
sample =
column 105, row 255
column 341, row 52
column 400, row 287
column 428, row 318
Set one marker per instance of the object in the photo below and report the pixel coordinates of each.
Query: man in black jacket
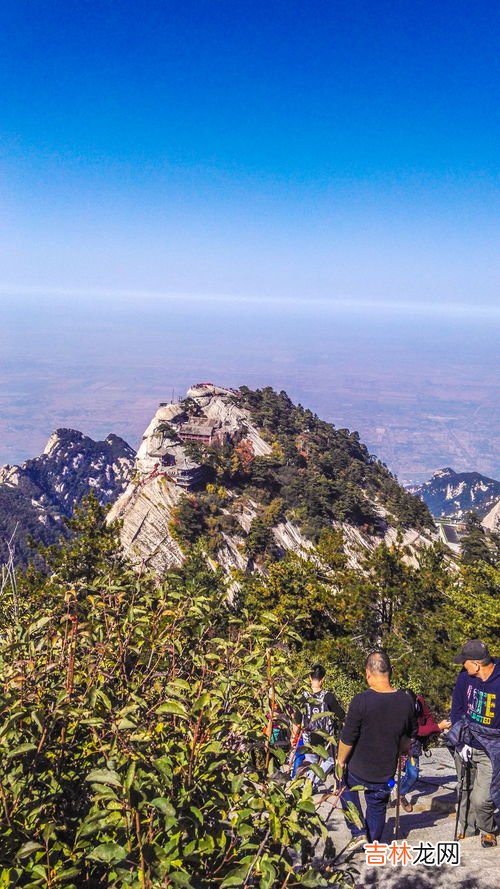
column 379, row 725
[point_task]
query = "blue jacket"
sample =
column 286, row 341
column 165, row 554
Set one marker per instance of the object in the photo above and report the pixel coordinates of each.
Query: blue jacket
column 475, row 714
column 478, row 701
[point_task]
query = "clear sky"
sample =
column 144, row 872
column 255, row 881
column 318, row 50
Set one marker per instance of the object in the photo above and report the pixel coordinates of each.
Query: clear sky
column 332, row 150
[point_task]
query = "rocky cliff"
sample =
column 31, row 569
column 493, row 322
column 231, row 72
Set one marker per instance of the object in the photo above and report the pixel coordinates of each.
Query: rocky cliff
column 491, row 520
column 255, row 476
column 37, row 495
column 166, row 471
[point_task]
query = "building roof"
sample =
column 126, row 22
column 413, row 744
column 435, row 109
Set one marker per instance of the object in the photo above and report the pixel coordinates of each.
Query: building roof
column 197, row 427
column 450, row 534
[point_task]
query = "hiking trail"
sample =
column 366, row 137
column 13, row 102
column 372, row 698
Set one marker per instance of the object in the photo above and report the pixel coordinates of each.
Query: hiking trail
column 432, row 821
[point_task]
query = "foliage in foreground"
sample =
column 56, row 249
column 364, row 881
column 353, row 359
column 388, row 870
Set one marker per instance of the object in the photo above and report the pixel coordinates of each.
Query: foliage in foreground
column 132, row 715
column 132, row 750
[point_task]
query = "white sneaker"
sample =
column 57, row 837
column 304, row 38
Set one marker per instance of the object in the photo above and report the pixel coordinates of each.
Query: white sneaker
column 357, row 843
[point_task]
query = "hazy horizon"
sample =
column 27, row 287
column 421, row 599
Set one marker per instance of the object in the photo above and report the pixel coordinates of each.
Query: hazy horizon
column 422, row 393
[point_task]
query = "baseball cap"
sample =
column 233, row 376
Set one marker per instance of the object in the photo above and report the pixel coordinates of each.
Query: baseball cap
column 475, row 650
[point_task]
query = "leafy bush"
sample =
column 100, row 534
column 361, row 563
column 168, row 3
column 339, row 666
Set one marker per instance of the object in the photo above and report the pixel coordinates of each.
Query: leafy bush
column 130, row 720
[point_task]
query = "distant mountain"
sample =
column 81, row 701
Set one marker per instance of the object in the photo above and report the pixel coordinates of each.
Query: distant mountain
column 453, row 494
column 249, row 472
column 36, row 496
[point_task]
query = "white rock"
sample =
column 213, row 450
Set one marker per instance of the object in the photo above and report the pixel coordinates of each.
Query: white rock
column 492, row 520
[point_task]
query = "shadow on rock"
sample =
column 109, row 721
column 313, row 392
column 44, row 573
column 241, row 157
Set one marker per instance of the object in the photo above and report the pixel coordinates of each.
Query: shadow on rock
column 428, row 786
column 398, row 879
column 440, row 808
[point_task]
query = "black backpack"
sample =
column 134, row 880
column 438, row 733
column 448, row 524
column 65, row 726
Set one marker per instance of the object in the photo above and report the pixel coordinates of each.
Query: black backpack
column 314, row 704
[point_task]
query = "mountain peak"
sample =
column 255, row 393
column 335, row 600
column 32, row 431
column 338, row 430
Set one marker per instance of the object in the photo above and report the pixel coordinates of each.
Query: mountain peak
column 254, row 475
column 36, row 496
column 446, row 472
column 62, row 436
column 450, row 494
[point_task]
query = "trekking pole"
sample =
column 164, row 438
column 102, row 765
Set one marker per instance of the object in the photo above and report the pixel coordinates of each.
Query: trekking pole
column 468, row 792
column 398, row 801
column 459, row 799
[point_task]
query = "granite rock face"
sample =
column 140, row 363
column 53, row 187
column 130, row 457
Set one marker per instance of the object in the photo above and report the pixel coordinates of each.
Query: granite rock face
column 165, row 470
column 169, row 466
column 36, row 495
column 145, row 510
column 491, row 521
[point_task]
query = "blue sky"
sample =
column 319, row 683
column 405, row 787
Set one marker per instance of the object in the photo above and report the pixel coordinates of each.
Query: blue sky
column 322, row 150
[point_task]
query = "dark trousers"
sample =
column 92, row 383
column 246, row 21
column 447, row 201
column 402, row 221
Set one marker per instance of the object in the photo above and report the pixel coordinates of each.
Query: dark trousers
column 376, row 798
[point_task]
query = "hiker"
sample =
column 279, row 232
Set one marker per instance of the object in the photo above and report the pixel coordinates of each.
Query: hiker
column 475, row 735
column 308, row 722
column 379, row 725
column 278, row 721
column 427, row 726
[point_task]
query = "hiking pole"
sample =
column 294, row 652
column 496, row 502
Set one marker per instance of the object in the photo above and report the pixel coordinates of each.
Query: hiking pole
column 398, row 801
column 468, row 792
column 459, row 799
column 465, row 768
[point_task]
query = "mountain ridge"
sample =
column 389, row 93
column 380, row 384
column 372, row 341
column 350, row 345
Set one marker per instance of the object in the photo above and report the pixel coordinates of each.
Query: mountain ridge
column 37, row 495
column 248, row 472
column 254, row 476
column 450, row 494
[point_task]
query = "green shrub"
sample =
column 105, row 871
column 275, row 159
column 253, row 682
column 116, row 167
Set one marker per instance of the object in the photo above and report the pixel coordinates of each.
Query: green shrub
column 130, row 718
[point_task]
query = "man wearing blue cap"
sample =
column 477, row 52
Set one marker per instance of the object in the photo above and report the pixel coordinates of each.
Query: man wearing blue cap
column 475, row 716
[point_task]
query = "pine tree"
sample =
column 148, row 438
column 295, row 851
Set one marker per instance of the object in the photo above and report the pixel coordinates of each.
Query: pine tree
column 474, row 544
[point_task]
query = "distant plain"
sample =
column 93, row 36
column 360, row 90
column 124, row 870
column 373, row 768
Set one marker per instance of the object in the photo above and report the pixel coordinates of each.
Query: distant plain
column 421, row 388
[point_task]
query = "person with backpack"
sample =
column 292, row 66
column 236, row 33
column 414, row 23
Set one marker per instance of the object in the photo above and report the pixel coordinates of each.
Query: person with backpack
column 318, row 711
column 426, row 727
